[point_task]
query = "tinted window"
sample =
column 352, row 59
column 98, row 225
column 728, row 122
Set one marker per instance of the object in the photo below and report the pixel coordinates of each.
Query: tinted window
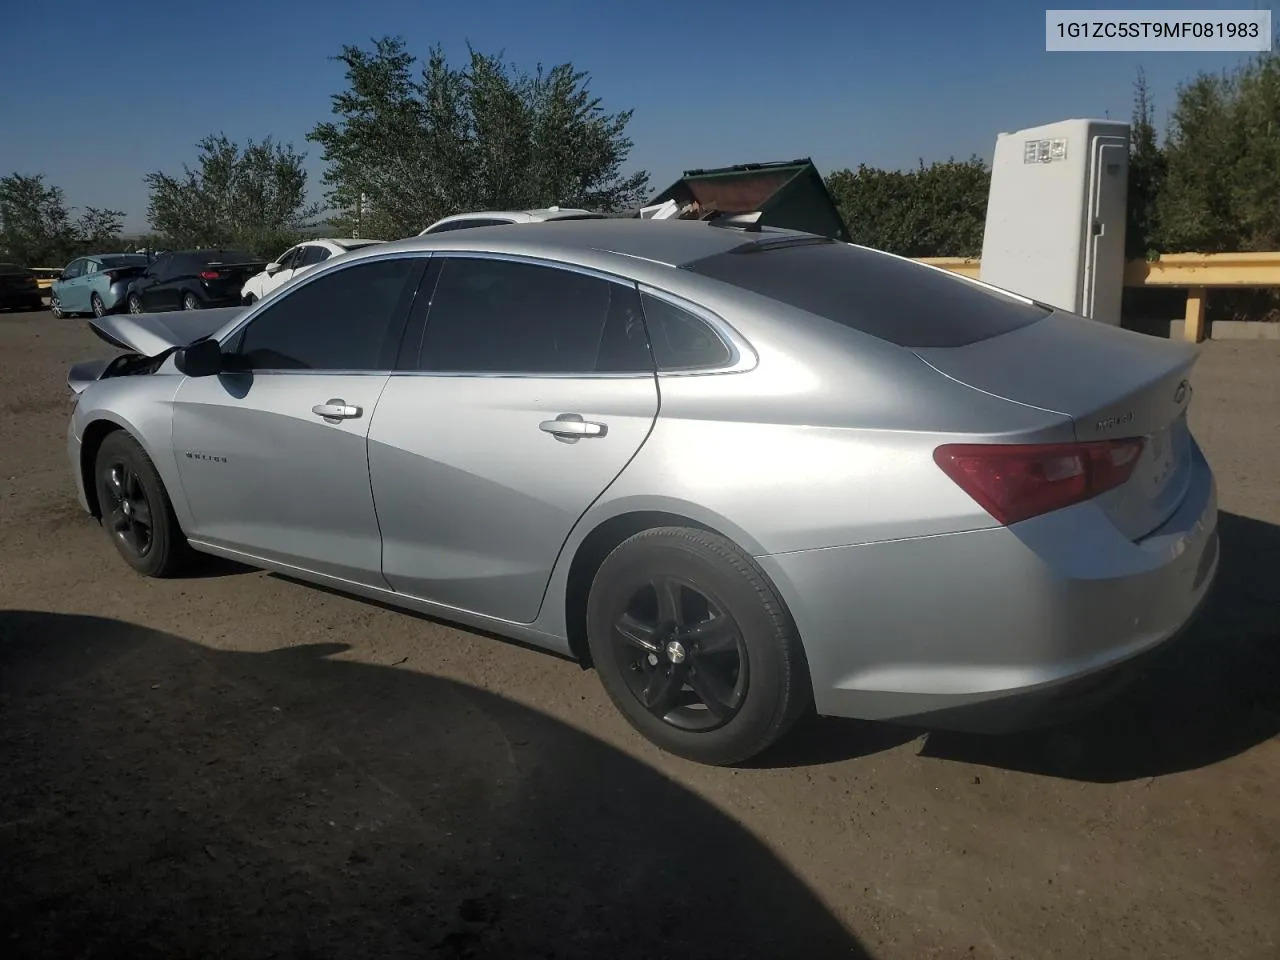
column 124, row 260
column 313, row 255
column 902, row 302
column 160, row 268
column 466, row 224
column 496, row 316
column 680, row 340
column 288, row 258
column 337, row 322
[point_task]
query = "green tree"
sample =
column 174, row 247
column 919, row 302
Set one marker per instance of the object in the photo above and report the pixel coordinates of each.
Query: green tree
column 99, row 230
column 1147, row 171
column 35, row 224
column 254, row 199
column 937, row 210
column 1222, row 154
column 409, row 146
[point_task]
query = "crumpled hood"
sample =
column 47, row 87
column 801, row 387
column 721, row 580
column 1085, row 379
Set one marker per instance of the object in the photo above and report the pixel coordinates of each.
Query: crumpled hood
column 153, row 333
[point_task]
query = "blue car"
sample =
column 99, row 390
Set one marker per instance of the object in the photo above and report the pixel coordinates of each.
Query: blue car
column 96, row 284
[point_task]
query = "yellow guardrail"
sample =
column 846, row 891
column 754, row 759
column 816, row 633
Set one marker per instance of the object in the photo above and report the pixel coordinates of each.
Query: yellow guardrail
column 1196, row 272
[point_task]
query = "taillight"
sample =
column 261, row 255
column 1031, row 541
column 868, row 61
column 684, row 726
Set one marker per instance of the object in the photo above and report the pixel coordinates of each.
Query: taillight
column 209, row 275
column 1013, row 482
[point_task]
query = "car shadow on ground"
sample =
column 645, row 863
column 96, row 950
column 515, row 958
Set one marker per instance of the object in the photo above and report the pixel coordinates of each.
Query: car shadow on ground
column 1212, row 695
column 163, row 799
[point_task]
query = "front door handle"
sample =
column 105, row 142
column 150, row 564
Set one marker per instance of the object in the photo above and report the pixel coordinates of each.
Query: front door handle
column 335, row 411
column 570, row 428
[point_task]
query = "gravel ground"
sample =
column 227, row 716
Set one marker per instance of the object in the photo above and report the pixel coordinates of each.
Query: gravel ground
column 237, row 765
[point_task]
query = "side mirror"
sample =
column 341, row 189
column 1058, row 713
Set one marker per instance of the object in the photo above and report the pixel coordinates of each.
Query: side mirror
column 273, row 268
column 200, row 359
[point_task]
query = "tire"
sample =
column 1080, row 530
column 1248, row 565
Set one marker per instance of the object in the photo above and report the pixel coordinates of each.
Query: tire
column 55, row 308
column 135, row 303
column 250, row 300
column 122, row 466
column 762, row 684
column 98, row 309
column 190, row 301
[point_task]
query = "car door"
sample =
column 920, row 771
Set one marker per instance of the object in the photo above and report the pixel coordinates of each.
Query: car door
column 528, row 391
column 72, row 296
column 171, row 279
column 147, row 286
column 272, row 452
column 287, row 264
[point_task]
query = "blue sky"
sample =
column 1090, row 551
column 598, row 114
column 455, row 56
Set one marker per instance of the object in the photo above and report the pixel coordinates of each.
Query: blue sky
column 712, row 82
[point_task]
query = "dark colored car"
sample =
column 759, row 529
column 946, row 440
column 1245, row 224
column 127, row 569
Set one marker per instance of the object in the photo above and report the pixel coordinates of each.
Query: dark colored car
column 18, row 288
column 192, row 280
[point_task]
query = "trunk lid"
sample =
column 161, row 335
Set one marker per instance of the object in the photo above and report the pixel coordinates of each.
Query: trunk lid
column 153, row 333
column 1112, row 383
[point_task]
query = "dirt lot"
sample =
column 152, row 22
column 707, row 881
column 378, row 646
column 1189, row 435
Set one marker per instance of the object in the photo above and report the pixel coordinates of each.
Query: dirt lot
column 239, row 765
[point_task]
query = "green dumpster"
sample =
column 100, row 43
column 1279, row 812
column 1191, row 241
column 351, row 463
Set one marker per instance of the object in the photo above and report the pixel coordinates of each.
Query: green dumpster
column 789, row 194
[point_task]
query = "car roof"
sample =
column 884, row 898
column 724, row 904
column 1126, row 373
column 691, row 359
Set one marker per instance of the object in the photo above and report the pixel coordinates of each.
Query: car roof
column 671, row 243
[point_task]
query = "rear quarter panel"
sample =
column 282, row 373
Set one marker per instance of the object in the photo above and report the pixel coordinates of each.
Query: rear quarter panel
column 827, row 441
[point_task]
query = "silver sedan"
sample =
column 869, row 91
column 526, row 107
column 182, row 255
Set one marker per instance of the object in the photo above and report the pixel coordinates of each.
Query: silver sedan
column 744, row 473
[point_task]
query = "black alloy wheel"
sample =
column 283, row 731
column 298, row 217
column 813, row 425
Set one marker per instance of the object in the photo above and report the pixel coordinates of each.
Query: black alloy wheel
column 682, row 656
column 695, row 647
column 127, row 510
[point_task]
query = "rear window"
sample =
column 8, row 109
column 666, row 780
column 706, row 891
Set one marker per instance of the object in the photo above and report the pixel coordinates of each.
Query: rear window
column 905, row 303
column 225, row 256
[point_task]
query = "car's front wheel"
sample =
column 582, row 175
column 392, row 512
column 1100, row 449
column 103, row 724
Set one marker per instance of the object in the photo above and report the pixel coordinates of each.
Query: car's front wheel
column 694, row 646
column 136, row 510
column 135, row 303
column 55, row 308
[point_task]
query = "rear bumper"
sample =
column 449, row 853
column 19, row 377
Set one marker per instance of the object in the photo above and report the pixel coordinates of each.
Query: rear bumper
column 1000, row 628
column 22, row 298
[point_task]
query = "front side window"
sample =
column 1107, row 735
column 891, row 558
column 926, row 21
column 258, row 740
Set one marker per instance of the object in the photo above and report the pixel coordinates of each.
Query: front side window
column 74, row 269
column 287, row 258
column 340, row 321
column 501, row 316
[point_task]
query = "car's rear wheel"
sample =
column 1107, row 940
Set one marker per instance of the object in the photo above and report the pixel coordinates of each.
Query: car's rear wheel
column 190, row 301
column 695, row 647
column 136, row 510
column 135, row 303
column 99, row 310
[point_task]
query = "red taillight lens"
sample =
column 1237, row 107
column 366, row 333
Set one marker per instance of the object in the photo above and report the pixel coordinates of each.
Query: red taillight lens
column 1013, row 482
column 209, row 275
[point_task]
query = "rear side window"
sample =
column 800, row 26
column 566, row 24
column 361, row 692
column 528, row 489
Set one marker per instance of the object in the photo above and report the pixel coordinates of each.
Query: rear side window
column 905, row 303
column 499, row 316
column 313, row 255
column 680, row 340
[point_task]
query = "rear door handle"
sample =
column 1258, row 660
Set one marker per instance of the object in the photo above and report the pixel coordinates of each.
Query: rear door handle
column 570, row 428
column 336, row 410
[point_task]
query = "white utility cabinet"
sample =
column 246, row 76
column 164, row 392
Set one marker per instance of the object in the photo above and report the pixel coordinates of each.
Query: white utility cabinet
column 1056, row 215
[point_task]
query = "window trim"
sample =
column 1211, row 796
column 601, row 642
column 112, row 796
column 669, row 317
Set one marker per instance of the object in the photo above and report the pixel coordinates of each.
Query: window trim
column 395, row 335
column 418, row 324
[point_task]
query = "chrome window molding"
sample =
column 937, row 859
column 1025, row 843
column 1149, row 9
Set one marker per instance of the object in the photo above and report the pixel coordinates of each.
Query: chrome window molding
column 742, row 356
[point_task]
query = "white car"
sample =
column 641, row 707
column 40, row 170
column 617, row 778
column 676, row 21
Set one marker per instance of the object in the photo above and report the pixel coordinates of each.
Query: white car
column 293, row 262
column 492, row 218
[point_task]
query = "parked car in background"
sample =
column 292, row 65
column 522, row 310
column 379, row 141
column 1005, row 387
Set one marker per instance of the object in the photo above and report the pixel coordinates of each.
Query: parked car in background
column 192, row 280
column 45, row 277
column 493, row 218
column 96, row 284
column 294, row 261
column 740, row 472
column 18, row 288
